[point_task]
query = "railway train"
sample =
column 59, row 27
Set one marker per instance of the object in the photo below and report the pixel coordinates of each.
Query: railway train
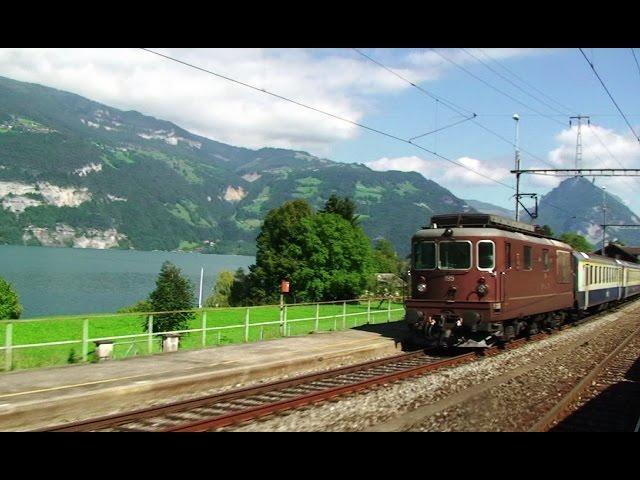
column 480, row 279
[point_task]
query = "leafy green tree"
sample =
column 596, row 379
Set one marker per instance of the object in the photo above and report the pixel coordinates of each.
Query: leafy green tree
column 323, row 255
column 240, row 294
column 576, row 241
column 345, row 207
column 10, row 307
column 337, row 260
column 173, row 292
column 279, row 251
column 221, row 291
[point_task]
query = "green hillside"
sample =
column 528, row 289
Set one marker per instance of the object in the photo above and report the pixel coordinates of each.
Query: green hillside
column 74, row 172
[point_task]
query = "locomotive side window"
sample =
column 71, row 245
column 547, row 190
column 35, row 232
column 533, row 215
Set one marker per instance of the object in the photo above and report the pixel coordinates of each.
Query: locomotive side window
column 563, row 266
column 486, row 255
column 507, row 255
column 545, row 260
column 455, row 255
column 528, row 265
column 424, row 255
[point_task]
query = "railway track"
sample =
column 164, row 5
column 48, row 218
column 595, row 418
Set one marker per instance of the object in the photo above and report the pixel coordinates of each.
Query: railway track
column 603, row 399
column 234, row 407
column 220, row 410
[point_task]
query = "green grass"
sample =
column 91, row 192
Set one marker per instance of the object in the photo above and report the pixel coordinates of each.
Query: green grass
column 300, row 321
column 365, row 193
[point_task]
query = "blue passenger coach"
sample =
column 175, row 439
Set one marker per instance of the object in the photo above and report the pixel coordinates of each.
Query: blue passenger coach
column 600, row 280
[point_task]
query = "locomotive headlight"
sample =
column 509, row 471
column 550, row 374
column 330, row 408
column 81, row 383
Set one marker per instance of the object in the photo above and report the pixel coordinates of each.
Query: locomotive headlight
column 482, row 289
column 422, row 287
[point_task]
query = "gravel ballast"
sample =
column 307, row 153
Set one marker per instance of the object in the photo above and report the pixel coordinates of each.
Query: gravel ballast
column 507, row 392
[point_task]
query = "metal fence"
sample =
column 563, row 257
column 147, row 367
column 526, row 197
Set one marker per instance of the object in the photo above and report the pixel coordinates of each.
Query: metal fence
column 22, row 346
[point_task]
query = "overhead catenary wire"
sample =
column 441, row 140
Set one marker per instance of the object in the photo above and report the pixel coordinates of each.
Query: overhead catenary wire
column 332, row 115
column 452, row 106
column 448, row 103
column 512, row 82
column 610, row 96
column 344, row 120
column 515, row 75
column 549, row 117
column 636, row 59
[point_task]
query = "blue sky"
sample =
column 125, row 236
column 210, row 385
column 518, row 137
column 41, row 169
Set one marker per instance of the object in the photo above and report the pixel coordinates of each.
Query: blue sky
column 343, row 82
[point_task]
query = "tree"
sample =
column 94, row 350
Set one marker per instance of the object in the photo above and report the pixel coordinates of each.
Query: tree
column 10, row 307
column 344, row 207
column 173, row 292
column 323, row 255
column 337, row 260
column 240, row 294
column 576, row 241
column 221, row 291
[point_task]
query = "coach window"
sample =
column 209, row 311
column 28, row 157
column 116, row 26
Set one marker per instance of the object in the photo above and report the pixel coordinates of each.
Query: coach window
column 424, row 255
column 454, row 255
column 486, row 255
column 528, row 264
column 545, row 260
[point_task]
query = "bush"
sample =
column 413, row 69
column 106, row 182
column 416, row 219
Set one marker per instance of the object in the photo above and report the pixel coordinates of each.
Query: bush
column 10, row 307
column 173, row 292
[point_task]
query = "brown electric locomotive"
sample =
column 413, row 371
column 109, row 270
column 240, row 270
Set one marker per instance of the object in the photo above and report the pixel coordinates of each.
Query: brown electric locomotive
column 478, row 278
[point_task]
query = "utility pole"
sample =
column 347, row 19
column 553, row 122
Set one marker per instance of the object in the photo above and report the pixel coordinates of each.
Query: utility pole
column 516, row 117
column 201, row 278
column 604, row 215
column 579, row 118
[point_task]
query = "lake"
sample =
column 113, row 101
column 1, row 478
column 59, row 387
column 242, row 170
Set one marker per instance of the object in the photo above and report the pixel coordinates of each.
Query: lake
column 61, row 281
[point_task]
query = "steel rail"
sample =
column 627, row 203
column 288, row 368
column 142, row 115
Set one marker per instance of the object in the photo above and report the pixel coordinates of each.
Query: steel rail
column 154, row 411
column 297, row 402
column 557, row 412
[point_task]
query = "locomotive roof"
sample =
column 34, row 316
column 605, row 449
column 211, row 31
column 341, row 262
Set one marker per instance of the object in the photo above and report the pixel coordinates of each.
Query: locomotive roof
column 468, row 220
column 488, row 232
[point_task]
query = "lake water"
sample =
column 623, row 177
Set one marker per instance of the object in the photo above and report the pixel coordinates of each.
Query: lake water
column 60, row 281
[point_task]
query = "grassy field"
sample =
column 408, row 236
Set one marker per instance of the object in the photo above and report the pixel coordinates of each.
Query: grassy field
column 301, row 320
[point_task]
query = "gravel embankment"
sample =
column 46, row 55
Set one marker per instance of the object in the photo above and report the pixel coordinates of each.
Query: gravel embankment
column 506, row 392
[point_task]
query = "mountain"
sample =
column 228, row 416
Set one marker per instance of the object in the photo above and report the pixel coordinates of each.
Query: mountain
column 484, row 207
column 576, row 206
column 74, row 172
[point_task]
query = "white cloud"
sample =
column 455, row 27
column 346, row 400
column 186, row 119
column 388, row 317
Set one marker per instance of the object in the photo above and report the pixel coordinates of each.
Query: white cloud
column 446, row 175
column 338, row 81
column 403, row 164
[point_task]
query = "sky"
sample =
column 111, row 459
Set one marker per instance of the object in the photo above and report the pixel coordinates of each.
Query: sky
column 543, row 86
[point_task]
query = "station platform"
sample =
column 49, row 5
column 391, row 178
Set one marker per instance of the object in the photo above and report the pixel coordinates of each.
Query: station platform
column 37, row 398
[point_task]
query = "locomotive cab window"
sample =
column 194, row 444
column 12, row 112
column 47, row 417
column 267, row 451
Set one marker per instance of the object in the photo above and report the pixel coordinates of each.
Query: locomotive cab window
column 424, row 255
column 454, row 255
column 507, row 255
column 527, row 256
column 545, row 260
column 486, row 255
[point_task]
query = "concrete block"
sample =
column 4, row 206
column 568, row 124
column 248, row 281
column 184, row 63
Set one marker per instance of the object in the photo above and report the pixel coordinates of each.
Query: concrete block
column 104, row 348
column 170, row 343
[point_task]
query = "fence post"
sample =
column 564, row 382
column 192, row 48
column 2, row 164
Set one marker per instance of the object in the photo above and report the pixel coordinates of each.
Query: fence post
column 315, row 329
column 369, row 311
column 85, row 339
column 204, row 329
column 246, row 326
column 344, row 315
column 150, row 334
column 8, row 340
column 388, row 309
column 284, row 316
